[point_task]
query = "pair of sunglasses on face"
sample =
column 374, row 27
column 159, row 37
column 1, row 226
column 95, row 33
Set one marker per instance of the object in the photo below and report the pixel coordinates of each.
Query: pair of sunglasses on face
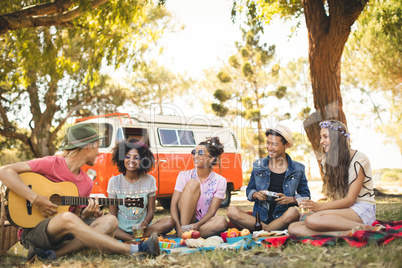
column 135, row 157
column 200, row 153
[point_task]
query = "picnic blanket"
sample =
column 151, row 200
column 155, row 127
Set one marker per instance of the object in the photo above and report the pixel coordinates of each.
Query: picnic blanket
column 243, row 243
column 359, row 239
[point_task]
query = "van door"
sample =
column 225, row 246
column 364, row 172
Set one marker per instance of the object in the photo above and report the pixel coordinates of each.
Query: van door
column 173, row 149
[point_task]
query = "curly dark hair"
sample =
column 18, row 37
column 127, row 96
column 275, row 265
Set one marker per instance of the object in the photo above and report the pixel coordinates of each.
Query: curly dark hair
column 214, row 147
column 122, row 148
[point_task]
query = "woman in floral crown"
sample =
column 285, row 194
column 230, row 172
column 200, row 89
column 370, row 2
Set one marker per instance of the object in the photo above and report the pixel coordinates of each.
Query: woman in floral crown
column 347, row 184
column 198, row 194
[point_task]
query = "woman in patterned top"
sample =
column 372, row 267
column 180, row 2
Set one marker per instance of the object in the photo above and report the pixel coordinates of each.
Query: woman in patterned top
column 134, row 160
column 198, row 194
column 347, row 184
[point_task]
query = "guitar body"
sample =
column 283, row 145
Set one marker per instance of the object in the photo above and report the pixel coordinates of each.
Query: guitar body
column 20, row 212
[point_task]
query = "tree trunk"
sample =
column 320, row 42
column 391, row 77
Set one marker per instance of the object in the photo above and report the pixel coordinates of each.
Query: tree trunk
column 328, row 31
column 41, row 138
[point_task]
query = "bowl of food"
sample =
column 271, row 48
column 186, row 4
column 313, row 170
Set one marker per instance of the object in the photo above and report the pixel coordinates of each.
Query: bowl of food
column 167, row 244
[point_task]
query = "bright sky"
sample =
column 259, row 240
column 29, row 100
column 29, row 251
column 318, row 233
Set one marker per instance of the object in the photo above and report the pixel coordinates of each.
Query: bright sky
column 209, row 36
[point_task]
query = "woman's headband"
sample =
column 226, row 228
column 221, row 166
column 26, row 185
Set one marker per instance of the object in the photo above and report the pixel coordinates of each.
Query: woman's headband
column 327, row 124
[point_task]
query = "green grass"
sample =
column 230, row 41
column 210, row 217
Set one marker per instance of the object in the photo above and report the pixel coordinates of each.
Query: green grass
column 293, row 255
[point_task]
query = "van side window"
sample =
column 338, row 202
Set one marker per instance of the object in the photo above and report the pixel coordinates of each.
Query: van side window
column 170, row 137
column 186, row 137
column 119, row 135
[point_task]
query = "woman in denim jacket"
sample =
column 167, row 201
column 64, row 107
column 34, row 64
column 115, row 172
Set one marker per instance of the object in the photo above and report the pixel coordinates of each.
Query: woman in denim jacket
column 276, row 173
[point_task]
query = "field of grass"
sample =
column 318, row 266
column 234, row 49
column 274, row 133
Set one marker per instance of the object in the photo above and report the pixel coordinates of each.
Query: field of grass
column 294, row 255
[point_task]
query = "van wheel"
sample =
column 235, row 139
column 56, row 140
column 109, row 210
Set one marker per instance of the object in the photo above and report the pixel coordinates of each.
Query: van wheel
column 165, row 203
column 226, row 200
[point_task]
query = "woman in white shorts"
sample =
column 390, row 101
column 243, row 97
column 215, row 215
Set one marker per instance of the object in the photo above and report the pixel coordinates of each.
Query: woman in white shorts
column 347, row 184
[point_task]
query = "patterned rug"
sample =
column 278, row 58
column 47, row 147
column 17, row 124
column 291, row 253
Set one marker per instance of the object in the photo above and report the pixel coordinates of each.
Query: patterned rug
column 359, row 239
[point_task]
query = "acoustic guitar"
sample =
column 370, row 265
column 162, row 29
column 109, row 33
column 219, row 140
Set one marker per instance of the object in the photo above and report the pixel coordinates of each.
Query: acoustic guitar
column 20, row 211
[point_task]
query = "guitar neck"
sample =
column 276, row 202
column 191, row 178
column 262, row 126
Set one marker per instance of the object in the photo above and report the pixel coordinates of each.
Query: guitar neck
column 77, row 201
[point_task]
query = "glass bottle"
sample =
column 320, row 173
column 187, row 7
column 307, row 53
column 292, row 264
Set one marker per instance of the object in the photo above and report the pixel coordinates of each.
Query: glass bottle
column 257, row 225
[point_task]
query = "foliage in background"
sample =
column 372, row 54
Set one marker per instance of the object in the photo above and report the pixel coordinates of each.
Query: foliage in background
column 248, row 82
column 372, row 62
column 388, row 175
column 155, row 84
column 51, row 73
column 329, row 25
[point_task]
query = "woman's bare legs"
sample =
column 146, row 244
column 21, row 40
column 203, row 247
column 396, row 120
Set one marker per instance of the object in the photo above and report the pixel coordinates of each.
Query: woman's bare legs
column 337, row 222
column 188, row 201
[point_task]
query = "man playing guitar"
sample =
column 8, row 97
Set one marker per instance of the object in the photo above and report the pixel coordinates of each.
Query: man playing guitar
column 60, row 234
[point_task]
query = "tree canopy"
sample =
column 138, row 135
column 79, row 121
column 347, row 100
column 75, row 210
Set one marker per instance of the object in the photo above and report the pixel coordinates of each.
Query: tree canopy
column 153, row 84
column 51, row 73
column 372, row 60
column 329, row 25
column 248, row 82
column 43, row 13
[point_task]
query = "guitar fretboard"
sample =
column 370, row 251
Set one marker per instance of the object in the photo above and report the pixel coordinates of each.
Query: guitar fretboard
column 76, row 201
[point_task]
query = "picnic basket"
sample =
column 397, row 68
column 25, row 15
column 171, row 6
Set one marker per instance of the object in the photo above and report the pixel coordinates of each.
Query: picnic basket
column 8, row 232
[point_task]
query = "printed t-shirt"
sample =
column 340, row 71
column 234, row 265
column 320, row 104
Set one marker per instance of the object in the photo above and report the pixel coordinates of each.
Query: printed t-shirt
column 214, row 185
column 119, row 187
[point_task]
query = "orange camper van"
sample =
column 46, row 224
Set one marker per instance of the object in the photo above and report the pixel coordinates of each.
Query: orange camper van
column 171, row 139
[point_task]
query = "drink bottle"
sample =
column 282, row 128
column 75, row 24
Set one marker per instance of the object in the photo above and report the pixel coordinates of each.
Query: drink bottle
column 257, row 225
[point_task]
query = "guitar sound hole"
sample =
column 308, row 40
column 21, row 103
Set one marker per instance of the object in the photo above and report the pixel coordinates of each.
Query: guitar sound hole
column 56, row 199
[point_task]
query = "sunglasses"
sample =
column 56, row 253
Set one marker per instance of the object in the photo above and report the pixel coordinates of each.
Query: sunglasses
column 135, row 157
column 200, row 152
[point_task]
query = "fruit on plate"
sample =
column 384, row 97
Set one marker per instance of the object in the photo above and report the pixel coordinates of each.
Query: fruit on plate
column 186, row 235
column 244, row 232
column 183, row 243
column 233, row 232
column 195, row 234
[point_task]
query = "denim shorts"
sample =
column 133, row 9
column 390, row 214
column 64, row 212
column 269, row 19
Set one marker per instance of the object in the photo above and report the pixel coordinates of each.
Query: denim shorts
column 365, row 211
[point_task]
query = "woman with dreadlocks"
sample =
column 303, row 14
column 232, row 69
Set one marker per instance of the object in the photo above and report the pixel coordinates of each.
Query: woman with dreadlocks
column 347, row 184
